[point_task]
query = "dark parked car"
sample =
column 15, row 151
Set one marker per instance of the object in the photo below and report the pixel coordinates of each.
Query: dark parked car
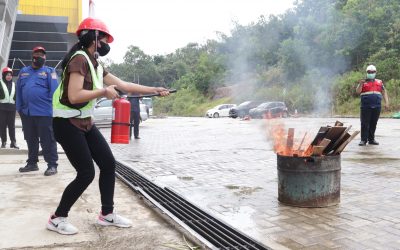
column 269, row 109
column 243, row 109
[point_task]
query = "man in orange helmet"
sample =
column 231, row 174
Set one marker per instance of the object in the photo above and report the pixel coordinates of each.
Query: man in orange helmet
column 73, row 103
column 7, row 108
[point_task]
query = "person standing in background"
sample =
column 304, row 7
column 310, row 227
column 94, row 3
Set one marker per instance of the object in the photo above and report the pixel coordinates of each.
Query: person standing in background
column 7, row 108
column 135, row 116
column 35, row 87
column 371, row 91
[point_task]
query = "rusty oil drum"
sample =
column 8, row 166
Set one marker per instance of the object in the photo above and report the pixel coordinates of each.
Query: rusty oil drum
column 309, row 181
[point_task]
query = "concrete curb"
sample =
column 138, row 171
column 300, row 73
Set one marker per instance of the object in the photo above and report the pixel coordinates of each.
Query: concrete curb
column 11, row 151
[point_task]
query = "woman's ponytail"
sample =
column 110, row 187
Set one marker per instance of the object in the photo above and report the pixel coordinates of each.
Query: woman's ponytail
column 77, row 46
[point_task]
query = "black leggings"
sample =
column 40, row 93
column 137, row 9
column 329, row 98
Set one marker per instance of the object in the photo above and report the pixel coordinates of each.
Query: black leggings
column 81, row 149
column 7, row 120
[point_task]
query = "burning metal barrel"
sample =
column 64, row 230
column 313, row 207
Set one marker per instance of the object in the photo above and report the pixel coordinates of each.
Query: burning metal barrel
column 312, row 181
column 309, row 171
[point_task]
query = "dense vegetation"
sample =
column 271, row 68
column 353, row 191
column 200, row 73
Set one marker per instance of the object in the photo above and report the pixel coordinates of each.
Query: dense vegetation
column 311, row 57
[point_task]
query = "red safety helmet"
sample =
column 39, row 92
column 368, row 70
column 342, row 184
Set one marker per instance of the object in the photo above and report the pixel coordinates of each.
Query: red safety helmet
column 91, row 23
column 6, row 69
column 39, row 48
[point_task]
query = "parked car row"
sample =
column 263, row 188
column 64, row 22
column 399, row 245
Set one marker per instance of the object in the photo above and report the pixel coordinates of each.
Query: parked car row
column 103, row 111
column 254, row 109
column 243, row 109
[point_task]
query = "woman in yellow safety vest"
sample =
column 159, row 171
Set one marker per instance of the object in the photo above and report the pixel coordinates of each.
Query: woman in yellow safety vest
column 7, row 108
column 73, row 102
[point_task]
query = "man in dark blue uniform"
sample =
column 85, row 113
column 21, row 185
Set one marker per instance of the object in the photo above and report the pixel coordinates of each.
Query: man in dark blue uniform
column 135, row 116
column 371, row 91
column 35, row 87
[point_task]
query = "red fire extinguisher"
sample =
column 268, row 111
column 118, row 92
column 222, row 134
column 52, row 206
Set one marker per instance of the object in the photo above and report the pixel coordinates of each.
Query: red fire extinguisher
column 120, row 121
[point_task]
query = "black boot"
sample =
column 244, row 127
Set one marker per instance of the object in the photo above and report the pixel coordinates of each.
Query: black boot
column 14, row 145
column 3, row 145
column 50, row 171
column 29, row 168
column 373, row 142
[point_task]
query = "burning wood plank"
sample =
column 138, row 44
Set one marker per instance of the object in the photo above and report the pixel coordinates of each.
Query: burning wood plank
column 302, row 141
column 345, row 135
column 333, row 134
column 324, row 143
column 317, row 150
column 338, row 123
column 328, row 141
column 318, row 138
column 344, row 144
column 289, row 141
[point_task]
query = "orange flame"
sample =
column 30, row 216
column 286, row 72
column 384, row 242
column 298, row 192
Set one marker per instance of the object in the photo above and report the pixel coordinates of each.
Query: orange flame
column 278, row 135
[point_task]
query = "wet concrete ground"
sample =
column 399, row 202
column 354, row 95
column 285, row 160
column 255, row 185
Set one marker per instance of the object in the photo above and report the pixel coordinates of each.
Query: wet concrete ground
column 227, row 167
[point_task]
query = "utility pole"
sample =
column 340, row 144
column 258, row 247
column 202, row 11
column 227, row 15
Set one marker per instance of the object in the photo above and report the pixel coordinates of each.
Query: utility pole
column 91, row 8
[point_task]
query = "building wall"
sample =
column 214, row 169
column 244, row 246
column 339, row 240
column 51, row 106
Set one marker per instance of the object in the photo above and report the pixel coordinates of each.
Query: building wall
column 30, row 31
column 8, row 13
column 69, row 8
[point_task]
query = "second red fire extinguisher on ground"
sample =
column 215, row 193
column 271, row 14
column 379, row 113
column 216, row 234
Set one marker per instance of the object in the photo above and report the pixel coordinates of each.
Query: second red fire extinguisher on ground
column 120, row 121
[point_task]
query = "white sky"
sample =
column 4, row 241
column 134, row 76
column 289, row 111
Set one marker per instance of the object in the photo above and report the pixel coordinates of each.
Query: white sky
column 162, row 26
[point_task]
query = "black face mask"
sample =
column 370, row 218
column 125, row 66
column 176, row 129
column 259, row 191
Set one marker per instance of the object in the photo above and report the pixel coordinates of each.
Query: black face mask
column 38, row 61
column 104, row 49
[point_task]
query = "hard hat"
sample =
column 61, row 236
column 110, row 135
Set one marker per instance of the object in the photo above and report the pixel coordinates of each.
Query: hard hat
column 371, row 68
column 91, row 23
column 39, row 48
column 6, row 69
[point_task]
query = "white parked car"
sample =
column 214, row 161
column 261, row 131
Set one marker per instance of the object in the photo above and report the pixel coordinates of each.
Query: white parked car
column 103, row 111
column 221, row 110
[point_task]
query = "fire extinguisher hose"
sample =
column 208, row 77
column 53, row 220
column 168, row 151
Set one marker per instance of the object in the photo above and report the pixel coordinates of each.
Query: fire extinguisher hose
column 150, row 95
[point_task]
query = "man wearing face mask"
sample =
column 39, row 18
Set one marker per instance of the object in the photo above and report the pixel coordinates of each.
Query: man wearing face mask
column 35, row 87
column 371, row 91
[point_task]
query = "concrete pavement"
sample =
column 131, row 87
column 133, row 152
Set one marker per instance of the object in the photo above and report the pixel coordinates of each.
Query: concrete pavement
column 228, row 168
column 26, row 201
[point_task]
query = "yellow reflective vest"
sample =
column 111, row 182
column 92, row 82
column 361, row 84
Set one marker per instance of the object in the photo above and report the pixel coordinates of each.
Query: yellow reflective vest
column 8, row 97
column 60, row 110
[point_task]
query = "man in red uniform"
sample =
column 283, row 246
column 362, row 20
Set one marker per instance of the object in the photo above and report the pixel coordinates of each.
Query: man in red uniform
column 371, row 91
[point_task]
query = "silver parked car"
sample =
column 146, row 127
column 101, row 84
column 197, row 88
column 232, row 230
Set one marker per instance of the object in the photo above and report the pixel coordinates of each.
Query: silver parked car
column 103, row 111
